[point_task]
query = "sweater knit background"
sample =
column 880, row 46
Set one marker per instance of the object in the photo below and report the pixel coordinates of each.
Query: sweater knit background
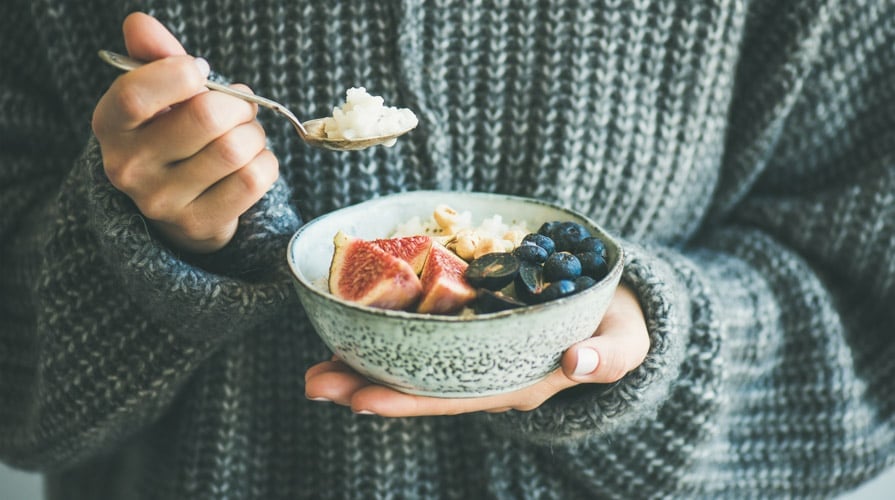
column 744, row 151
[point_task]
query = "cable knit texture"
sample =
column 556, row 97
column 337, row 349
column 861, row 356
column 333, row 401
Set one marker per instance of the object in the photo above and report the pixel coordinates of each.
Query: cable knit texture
column 743, row 150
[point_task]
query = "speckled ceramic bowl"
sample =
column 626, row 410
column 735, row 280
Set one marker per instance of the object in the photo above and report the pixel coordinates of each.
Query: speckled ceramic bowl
column 446, row 356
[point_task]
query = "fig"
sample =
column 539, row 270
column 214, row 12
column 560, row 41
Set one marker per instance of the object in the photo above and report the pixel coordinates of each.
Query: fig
column 364, row 273
column 444, row 289
column 492, row 271
column 412, row 249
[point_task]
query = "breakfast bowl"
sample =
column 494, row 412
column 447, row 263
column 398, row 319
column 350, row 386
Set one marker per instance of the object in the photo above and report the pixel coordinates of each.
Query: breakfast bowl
column 446, row 355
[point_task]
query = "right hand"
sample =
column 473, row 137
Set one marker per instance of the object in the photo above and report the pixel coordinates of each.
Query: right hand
column 192, row 160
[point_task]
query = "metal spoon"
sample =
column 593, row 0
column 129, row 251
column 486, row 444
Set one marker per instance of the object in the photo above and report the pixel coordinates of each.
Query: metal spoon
column 311, row 131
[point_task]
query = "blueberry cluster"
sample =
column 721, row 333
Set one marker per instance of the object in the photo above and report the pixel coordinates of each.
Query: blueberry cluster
column 560, row 259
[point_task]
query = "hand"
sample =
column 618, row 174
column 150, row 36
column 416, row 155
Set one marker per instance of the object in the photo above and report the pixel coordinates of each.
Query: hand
column 619, row 345
column 192, row 160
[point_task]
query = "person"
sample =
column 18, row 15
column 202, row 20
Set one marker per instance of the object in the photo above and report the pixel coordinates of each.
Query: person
column 151, row 346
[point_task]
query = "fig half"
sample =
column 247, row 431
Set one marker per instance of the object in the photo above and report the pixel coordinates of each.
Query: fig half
column 364, row 273
column 411, row 249
column 444, row 289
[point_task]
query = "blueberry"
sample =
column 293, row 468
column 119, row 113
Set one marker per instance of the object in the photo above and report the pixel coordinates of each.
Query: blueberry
column 593, row 264
column 561, row 266
column 540, row 240
column 584, row 282
column 591, row 244
column 528, row 252
column 557, row 289
column 547, row 228
column 567, row 235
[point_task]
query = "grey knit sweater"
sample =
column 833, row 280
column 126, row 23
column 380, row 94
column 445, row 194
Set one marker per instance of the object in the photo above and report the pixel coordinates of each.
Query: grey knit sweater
column 744, row 151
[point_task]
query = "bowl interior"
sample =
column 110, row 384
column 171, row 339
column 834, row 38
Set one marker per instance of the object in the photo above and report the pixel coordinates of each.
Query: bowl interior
column 311, row 249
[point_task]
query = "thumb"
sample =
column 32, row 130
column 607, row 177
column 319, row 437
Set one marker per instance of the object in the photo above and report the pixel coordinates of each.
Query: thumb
column 620, row 344
column 147, row 39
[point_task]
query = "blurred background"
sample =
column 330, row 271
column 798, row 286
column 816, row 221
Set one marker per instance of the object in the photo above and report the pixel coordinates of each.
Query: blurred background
column 17, row 485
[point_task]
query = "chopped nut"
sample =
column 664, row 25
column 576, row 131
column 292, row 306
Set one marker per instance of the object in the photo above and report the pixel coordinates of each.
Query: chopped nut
column 515, row 236
column 447, row 218
column 490, row 245
column 465, row 243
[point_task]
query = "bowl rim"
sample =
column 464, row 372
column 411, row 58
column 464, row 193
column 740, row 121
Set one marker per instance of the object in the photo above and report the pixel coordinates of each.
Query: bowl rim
column 613, row 276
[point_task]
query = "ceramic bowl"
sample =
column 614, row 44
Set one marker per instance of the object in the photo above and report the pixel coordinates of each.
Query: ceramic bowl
column 437, row 355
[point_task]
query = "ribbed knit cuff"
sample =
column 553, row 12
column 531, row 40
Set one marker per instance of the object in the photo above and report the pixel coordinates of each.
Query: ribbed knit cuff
column 595, row 409
column 245, row 283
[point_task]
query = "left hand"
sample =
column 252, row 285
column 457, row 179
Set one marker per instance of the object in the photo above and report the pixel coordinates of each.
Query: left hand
column 619, row 345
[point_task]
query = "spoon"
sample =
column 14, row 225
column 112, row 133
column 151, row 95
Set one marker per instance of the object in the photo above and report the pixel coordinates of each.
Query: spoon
column 311, row 131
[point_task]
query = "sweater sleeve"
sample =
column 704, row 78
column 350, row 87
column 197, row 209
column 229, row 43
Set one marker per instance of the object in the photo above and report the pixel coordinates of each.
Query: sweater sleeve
column 100, row 323
column 771, row 329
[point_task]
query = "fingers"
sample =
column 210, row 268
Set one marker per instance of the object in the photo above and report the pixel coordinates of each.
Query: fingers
column 192, row 160
column 187, row 128
column 326, row 366
column 208, row 222
column 147, row 40
column 218, row 159
column 133, row 159
column 194, row 169
column 334, row 381
column 620, row 344
column 138, row 95
column 236, row 193
column 390, row 403
column 170, row 77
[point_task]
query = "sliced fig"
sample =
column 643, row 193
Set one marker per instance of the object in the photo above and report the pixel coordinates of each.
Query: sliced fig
column 412, row 249
column 362, row 272
column 444, row 289
column 492, row 271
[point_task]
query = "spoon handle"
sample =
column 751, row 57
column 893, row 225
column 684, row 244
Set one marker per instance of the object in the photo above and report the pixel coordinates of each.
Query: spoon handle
column 126, row 63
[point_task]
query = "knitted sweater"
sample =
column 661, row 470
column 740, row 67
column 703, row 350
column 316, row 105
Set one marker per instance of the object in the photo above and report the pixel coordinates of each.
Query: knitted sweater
column 743, row 151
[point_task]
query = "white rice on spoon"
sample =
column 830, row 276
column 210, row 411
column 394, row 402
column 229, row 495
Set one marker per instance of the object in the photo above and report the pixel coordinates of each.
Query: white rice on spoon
column 364, row 116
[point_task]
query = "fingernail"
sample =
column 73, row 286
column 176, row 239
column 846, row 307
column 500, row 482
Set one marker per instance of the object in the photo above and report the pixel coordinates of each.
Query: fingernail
column 364, row 412
column 320, row 398
column 203, row 66
column 587, row 361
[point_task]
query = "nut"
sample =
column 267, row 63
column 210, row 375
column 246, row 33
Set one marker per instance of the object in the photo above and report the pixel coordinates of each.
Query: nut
column 465, row 243
column 515, row 236
column 491, row 245
column 447, row 218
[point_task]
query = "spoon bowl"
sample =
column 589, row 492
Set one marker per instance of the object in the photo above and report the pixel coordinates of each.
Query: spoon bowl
column 312, row 131
column 316, row 136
